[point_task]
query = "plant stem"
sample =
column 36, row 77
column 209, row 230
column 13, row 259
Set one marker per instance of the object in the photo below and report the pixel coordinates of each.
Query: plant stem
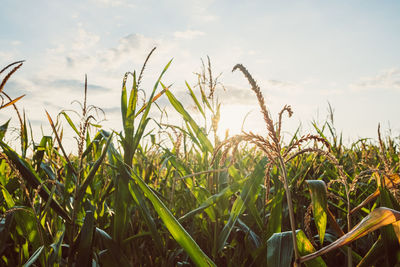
column 291, row 212
column 349, row 257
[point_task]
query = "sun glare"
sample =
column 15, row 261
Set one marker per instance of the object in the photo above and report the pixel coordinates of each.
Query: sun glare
column 233, row 117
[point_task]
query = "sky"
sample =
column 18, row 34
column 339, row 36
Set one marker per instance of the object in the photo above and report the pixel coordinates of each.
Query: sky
column 303, row 53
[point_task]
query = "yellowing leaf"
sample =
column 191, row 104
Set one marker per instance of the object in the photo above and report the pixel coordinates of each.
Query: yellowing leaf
column 305, row 247
column 376, row 219
column 319, row 205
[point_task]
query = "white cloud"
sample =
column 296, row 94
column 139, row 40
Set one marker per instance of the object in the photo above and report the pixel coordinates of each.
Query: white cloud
column 114, row 3
column 188, row 35
column 84, row 40
column 386, row 79
column 287, row 87
column 6, row 57
column 132, row 46
column 202, row 12
column 15, row 42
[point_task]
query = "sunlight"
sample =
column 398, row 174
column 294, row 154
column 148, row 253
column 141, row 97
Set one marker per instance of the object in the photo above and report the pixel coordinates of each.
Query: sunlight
column 232, row 118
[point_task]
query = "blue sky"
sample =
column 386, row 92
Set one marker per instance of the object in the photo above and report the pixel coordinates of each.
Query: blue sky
column 302, row 53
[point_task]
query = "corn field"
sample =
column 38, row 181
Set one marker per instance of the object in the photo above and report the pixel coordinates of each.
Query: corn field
column 183, row 196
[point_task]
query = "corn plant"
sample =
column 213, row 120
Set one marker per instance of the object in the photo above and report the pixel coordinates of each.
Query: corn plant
column 132, row 198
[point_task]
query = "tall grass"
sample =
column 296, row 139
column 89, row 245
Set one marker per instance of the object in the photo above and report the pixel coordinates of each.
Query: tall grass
column 246, row 200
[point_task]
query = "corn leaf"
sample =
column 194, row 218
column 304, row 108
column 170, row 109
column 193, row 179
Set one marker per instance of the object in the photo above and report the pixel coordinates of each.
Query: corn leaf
column 376, row 252
column 86, row 240
column 3, row 129
column 376, row 219
column 34, row 257
column 275, row 218
column 70, row 122
column 280, row 250
column 29, row 174
column 141, row 203
column 173, row 226
column 206, row 144
column 319, row 205
column 113, row 253
column 193, row 96
column 223, row 194
column 305, row 247
column 56, row 252
column 249, row 189
column 390, row 241
column 93, row 171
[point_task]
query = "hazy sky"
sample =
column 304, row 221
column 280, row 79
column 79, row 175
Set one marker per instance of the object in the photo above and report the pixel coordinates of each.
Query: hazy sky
column 302, row 53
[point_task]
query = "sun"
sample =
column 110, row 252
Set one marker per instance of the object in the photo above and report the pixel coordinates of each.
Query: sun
column 235, row 117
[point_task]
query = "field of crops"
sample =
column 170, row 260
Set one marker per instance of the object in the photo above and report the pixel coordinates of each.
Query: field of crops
column 132, row 199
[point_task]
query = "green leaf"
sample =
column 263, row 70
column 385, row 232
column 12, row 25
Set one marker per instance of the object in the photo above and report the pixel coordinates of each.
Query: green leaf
column 86, row 240
column 8, row 198
column 132, row 139
column 206, row 144
column 3, row 129
column 280, row 250
column 173, row 226
column 319, row 205
column 98, row 139
column 24, row 137
column 5, row 225
column 93, row 171
column 390, row 240
column 226, row 193
column 34, row 257
column 275, row 219
column 55, row 255
column 249, row 190
column 305, row 247
column 124, row 105
column 376, row 252
column 33, row 179
column 195, row 100
column 40, row 149
column 130, row 112
column 70, row 122
column 139, row 198
column 114, row 252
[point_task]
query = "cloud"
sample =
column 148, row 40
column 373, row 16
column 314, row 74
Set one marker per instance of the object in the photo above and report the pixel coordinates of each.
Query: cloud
column 386, row 79
column 15, row 43
column 202, row 11
column 281, row 84
column 112, row 110
column 84, row 40
column 70, row 85
column 128, row 45
column 6, row 57
column 188, row 35
column 235, row 95
column 285, row 87
column 113, row 3
column 87, row 56
column 15, row 88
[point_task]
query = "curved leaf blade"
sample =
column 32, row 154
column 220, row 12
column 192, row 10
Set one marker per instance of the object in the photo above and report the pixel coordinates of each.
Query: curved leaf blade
column 319, row 205
column 206, row 144
column 248, row 192
column 376, row 219
column 305, row 247
column 280, row 250
column 173, row 226
column 86, row 240
column 34, row 257
column 33, row 179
